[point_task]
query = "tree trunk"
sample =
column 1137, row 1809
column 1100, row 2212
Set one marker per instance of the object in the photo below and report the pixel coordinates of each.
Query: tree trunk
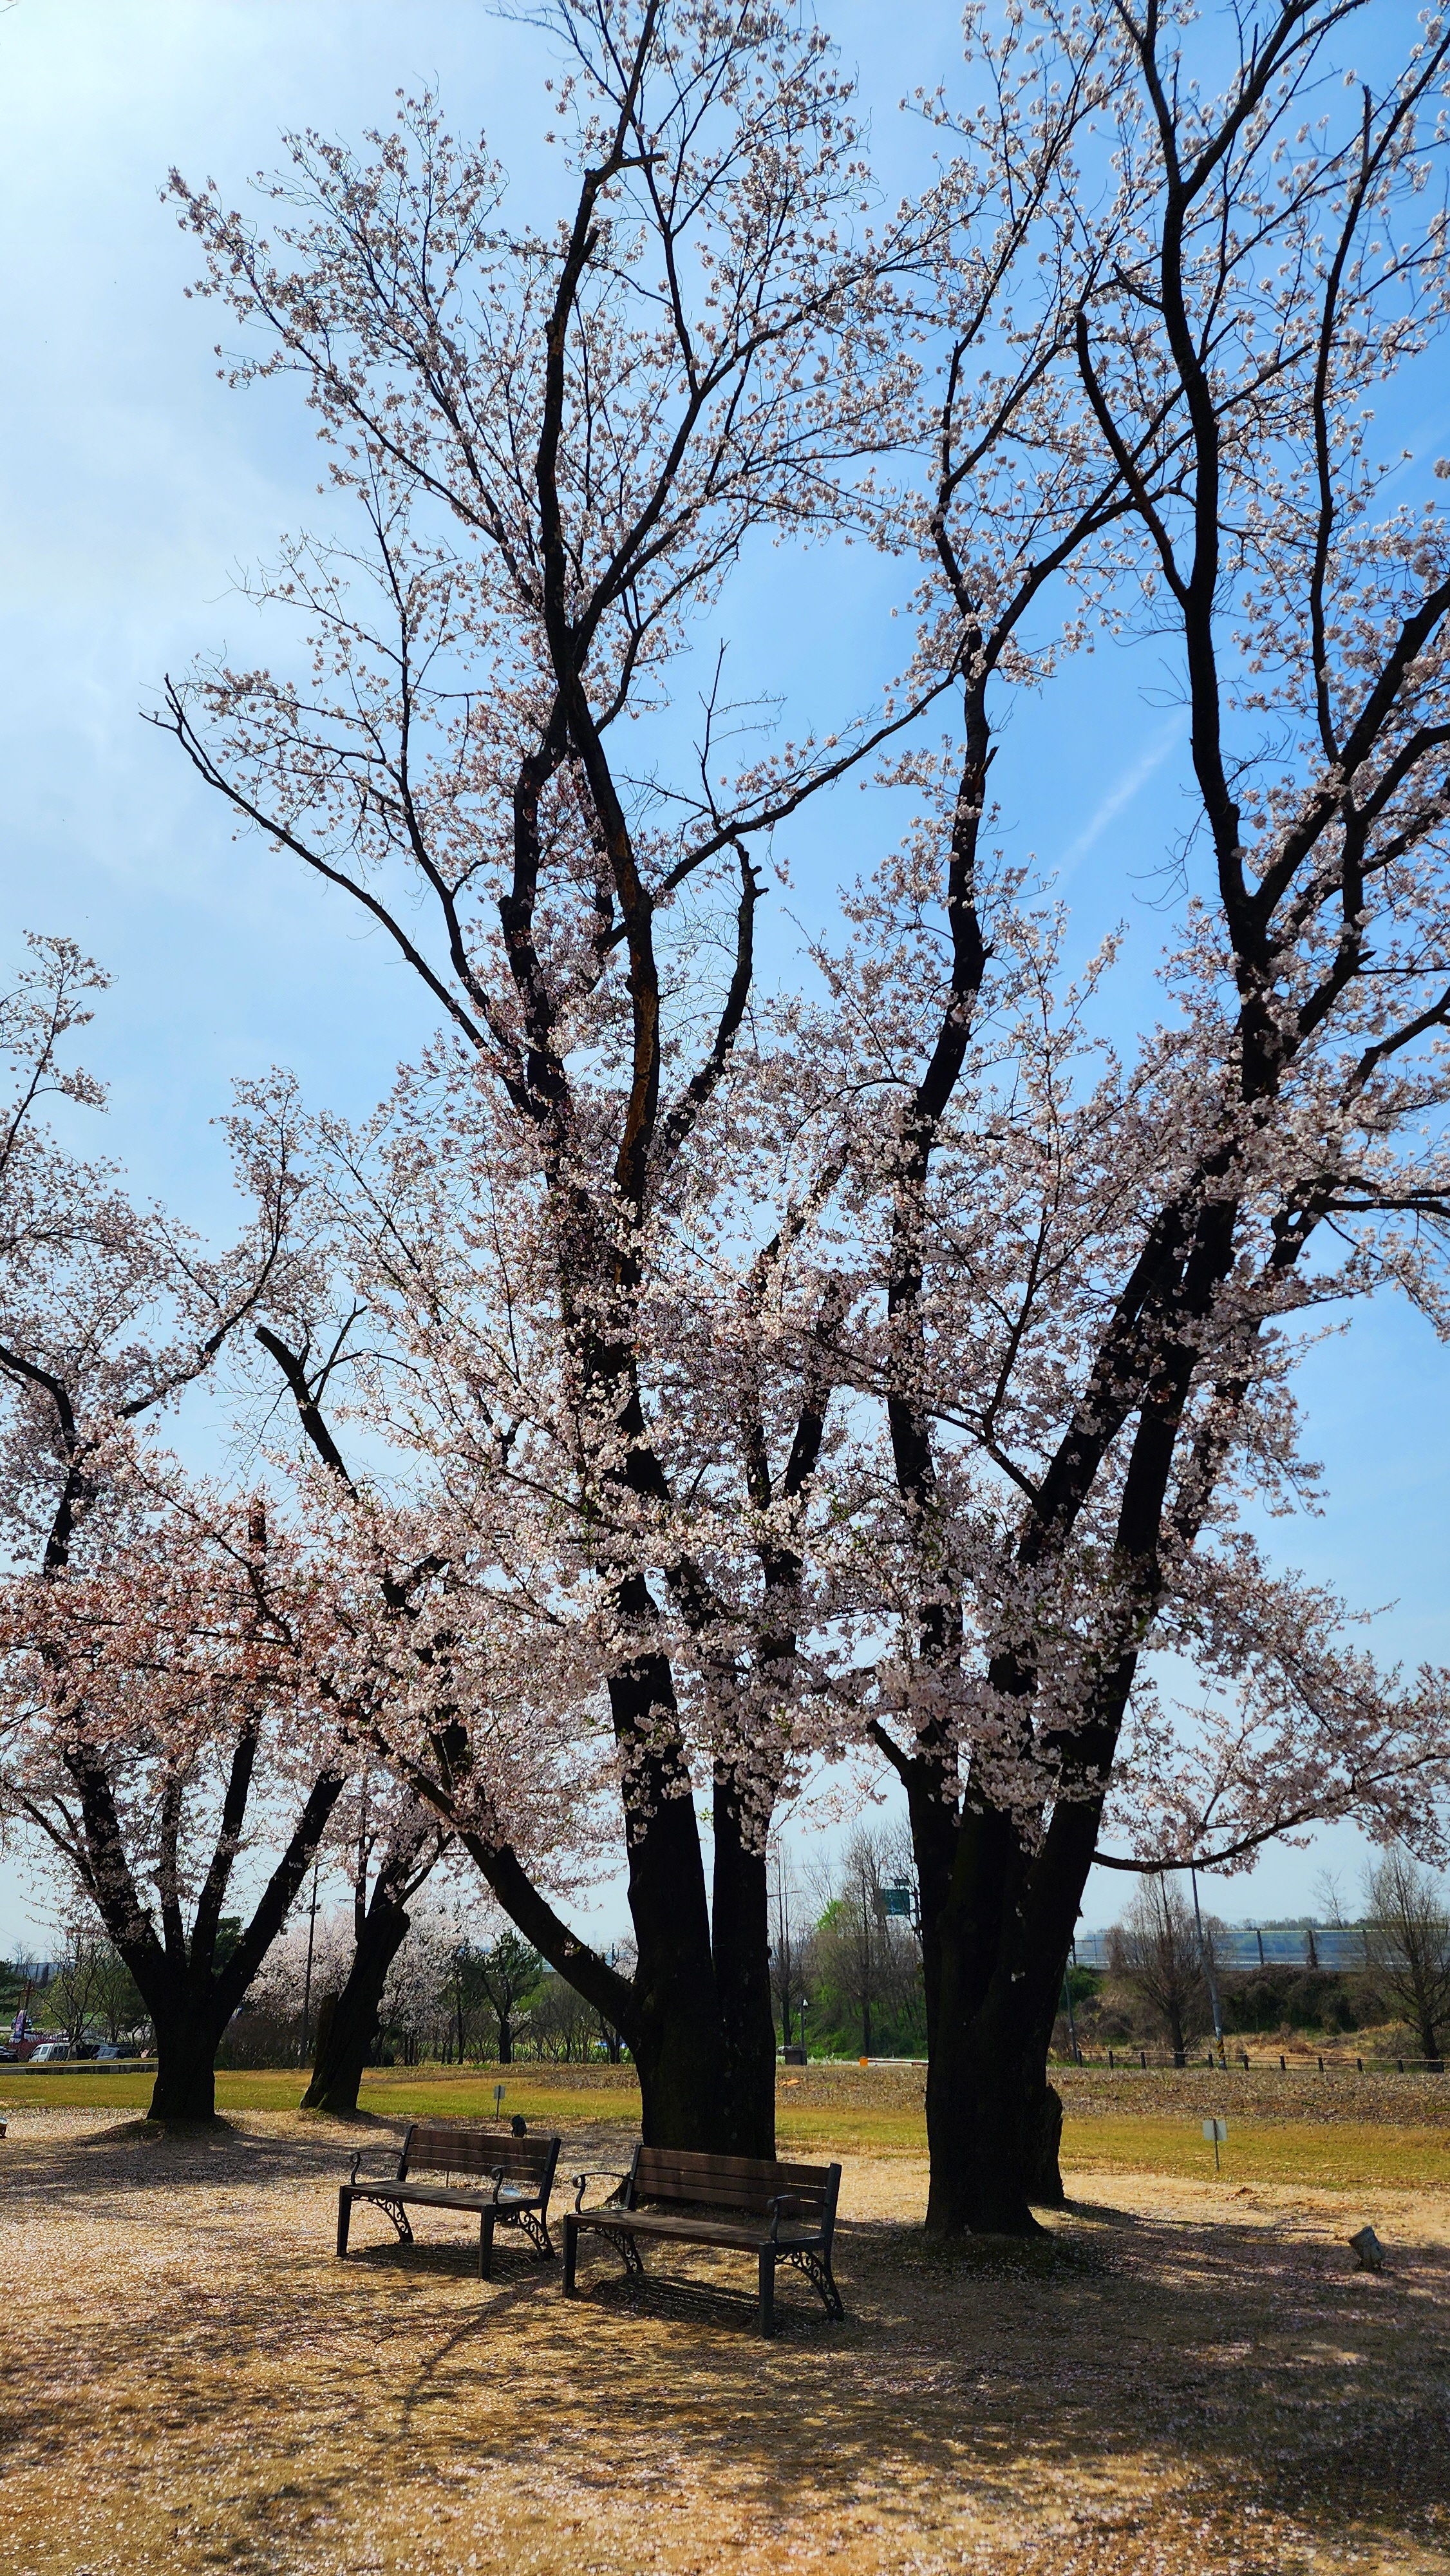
column 696, row 2014
column 505, row 2040
column 741, row 1955
column 994, row 1958
column 348, row 2032
column 188, row 2034
column 993, row 2121
column 680, row 2040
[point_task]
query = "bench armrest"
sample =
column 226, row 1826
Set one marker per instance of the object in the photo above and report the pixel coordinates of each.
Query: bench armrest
column 394, row 2176
column 597, row 2173
column 784, row 2205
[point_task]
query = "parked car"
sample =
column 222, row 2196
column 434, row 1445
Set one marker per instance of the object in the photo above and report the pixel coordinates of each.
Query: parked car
column 111, row 2049
column 49, row 2051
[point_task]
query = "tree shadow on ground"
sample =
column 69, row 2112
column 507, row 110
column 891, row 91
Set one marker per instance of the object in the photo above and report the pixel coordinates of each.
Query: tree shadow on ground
column 1146, row 2383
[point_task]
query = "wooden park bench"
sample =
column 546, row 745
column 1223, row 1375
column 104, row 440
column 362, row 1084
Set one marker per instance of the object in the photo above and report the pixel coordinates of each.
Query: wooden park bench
column 779, row 2213
column 515, row 2176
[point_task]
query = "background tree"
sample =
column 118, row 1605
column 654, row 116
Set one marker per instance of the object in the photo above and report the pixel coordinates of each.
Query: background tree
column 149, row 1693
column 789, row 1930
column 1407, row 1943
column 508, row 1977
column 392, row 1854
column 159, row 1727
column 1156, row 1952
column 415, row 2007
column 864, row 1964
column 562, row 2027
column 76, row 1987
column 120, row 2009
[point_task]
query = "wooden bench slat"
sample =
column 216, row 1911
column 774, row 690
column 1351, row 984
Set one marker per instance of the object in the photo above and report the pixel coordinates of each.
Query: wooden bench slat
column 697, row 2231
column 473, row 2150
column 754, row 2182
column 437, row 2195
column 758, row 2172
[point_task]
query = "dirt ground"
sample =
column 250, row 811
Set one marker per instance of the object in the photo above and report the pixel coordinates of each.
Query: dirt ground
column 1188, row 2376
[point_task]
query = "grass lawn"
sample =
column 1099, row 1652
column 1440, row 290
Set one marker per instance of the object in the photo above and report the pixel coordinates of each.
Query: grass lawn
column 1181, row 2379
column 1381, row 2132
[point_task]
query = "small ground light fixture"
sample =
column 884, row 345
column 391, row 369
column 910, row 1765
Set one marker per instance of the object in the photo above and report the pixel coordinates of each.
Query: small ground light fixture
column 1217, row 2130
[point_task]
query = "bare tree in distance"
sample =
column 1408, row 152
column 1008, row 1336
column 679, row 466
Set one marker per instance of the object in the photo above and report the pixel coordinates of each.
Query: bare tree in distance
column 789, row 1941
column 1156, row 1951
column 1407, row 1942
column 77, row 1987
column 868, row 1956
column 509, row 1973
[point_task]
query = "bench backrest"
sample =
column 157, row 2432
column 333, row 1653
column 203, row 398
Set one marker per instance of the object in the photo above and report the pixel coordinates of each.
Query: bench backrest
column 438, row 2147
column 678, row 2177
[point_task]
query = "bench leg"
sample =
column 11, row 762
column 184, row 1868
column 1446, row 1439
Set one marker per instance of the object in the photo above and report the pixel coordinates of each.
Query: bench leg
column 485, row 2244
column 767, row 2290
column 536, row 2227
column 571, row 2252
column 344, row 2221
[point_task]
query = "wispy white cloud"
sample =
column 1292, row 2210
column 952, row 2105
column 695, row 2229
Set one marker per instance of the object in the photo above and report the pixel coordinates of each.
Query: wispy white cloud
column 1123, row 791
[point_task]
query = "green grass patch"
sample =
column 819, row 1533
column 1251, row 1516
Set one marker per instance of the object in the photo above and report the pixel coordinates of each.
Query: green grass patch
column 1347, row 2156
column 390, row 2092
column 849, row 2114
column 852, row 2128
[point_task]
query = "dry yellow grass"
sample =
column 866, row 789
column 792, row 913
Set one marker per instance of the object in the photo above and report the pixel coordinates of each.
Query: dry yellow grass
column 1187, row 2378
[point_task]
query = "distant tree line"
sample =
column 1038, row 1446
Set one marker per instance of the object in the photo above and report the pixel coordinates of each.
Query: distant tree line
column 1166, row 1982
column 847, row 1973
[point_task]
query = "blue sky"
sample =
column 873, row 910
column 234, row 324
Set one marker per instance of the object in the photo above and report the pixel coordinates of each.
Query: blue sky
column 135, row 487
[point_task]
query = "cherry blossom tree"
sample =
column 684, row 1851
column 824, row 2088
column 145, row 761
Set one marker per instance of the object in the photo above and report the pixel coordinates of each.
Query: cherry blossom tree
column 889, row 1363
column 160, row 1735
column 1091, row 1275
column 558, row 444
column 154, row 1712
column 392, row 1843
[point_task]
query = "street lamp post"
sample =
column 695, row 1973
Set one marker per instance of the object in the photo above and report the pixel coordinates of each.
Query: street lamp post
column 1207, row 1963
column 307, row 1981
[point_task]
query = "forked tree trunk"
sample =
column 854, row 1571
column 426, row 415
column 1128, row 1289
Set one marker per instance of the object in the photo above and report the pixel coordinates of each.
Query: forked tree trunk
column 676, row 2032
column 995, row 1939
column 347, row 2023
column 188, row 2034
column 994, row 2122
column 696, row 2012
